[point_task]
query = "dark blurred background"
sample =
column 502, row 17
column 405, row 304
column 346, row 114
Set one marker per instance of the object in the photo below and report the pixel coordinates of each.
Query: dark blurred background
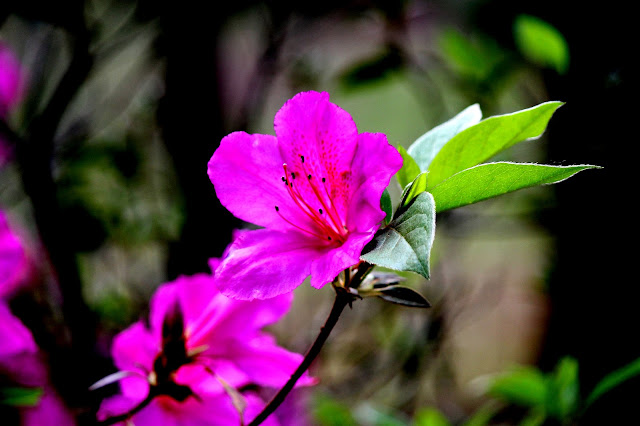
column 125, row 102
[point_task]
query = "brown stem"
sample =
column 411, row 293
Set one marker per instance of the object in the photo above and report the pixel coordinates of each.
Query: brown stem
column 343, row 298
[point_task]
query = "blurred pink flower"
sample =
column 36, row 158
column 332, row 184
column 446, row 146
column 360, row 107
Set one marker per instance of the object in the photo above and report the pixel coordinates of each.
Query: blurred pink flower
column 315, row 188
column 21, row 365
column 11, row 83
column 197, row 346
column 13, row 260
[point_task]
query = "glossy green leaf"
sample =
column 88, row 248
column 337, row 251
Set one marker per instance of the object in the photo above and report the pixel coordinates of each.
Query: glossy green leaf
column 20, row 397
column 482, row 141
column 492, row 179
column 386, row 205
column 405, row 244
column 412, row 190
column 409, row 170
column 430, row 417
column 425, row 148
column 523, row 386
column 541, row 43
column 614, row 379
column 564, row 389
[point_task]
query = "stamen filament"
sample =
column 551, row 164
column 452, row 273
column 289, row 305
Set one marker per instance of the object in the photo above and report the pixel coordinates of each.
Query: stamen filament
column 331, row 210
column 327, row 218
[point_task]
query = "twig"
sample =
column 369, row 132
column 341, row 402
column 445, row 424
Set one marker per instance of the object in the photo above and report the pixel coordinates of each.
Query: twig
column 343, row 298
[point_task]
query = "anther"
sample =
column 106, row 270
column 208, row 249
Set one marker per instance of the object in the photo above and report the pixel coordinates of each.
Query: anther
column 309, row 177
column 277, row 209
column 329, row 238
column 284, row 179
column 320, row 210
column 323, row 180
column 293, row 175
column 302, row 158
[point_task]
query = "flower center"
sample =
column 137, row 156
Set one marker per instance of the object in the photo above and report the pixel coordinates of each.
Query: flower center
column 312, row 197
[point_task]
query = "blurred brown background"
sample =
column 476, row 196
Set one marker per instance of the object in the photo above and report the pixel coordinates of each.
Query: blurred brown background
column 127, row 100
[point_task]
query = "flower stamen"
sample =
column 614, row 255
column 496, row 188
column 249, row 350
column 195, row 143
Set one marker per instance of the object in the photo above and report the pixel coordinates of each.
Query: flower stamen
column 329, row 223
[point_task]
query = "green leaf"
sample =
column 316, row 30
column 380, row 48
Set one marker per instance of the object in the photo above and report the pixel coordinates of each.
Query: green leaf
column 541, row 43
column 523, row 386
column 409, row 170
column 492, row 179
column 614, row 379
column 405, row 244
column 403, row 296
column 430, row 417
column 386, row 205
column 20, row 397
column 535, row 417
column 412, row 190
column 329, row 412
column 482, row 416
column 425, row 148
column 472, row 57
column 482, row 141
column 564, row 389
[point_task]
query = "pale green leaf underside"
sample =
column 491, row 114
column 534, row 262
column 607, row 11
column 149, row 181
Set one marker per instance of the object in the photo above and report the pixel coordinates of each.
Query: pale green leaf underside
column 489, row 137
column 492, row 179
column 405, row 245
column 427, row 146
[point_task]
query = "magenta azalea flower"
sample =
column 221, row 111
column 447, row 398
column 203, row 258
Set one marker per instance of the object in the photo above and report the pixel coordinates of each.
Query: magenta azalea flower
column 198, row 345
column 315, row 187
column 21, row 366
column 13, row 261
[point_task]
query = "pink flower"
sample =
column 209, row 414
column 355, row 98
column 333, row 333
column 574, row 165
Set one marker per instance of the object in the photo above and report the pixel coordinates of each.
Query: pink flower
column 13, row 260
column 22, row 366
column 197, row 346
column 315, row 187
column 11, row 81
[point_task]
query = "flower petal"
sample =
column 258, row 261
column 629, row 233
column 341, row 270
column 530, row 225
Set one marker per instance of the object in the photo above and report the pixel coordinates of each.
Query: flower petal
column 228, row 318
column 326, row 267
column 15, row 338
column 246, row 172
column 374, row 163
column 115, row 406
column 266, row 263
column 13, row 261
column 134, row 349
column 210, row 411
column 309, row 125
column 266, row 363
